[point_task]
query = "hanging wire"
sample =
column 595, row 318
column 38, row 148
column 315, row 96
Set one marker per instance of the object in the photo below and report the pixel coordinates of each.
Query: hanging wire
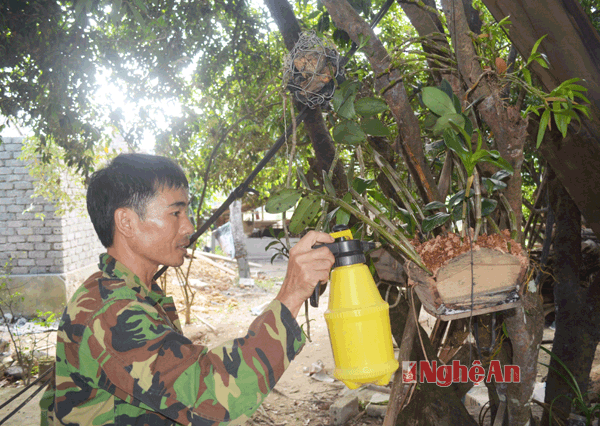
column 29, row 398
column 310, row 70
column 235, row 194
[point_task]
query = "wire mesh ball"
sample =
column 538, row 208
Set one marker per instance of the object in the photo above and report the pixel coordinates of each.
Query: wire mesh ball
column 310, row 70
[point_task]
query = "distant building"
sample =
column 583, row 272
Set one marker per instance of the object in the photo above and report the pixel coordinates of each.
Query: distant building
column 50, row 257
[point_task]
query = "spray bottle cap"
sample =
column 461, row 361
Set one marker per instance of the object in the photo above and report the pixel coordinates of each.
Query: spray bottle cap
column 346, row 250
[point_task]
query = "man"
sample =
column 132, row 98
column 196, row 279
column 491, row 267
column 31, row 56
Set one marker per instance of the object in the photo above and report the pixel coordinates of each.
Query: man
column 121, row 358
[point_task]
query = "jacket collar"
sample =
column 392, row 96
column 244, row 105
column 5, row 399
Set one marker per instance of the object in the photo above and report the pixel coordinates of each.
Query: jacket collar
column 115, row 269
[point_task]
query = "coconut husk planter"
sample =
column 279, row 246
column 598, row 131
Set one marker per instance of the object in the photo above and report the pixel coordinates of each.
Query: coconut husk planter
column 497, row 274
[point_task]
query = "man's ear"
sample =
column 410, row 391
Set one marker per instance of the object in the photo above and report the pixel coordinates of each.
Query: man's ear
column 125, row 221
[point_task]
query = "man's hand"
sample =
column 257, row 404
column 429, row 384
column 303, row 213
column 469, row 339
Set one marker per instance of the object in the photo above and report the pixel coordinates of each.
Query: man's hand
column 306, row 267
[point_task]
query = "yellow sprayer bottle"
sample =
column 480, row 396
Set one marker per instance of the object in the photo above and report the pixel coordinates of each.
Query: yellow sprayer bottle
column 357, row 317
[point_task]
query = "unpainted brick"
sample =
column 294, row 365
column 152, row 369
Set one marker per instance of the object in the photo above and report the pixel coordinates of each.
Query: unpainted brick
column 24, row 246
column 45, row 262
column 11, row 147
column 13, row 162
column 25, row 231
column 26, row 262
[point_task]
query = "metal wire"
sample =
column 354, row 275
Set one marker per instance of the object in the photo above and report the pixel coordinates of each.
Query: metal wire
column 310, row 70
column 11, row 399
column 29, row 398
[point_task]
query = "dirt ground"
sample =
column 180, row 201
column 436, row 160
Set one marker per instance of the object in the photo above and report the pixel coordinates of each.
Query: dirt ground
column 222, row 310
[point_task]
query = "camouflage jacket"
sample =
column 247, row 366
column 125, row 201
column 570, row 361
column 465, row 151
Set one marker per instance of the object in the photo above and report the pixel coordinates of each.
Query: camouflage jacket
column 121, row 359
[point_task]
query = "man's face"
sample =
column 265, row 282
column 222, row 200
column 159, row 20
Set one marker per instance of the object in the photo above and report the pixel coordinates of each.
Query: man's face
column 161, row 237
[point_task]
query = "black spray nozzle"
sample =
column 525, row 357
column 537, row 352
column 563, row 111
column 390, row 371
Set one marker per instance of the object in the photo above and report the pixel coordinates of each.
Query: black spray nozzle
column 346, row 252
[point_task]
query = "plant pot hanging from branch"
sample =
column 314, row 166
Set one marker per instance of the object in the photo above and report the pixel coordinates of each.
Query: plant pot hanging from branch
column 310, row 70
column 487, row 278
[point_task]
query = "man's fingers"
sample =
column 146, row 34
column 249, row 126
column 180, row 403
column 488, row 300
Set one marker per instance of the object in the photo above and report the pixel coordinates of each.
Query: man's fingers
column 321, row 256
column 312, row 238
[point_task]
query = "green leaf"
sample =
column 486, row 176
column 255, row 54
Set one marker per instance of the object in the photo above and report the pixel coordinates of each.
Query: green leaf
column 337, row 100
column 527, row 76
column 495, row 159
column 492, row 184
column 342, row 217
column 437, row 101
column 141, row 5
column 307, row 210
column 115, row 12
column 347, row 109
column 453, row 142
column 80, row 8
column 542, row 60
column 283, row 200
column 478, row 155
column 432, row 222
column 302, row 177
column 535, row 48
column 456, row 103
column 560, row 120
column 409, row 220
column 271, row 244
column 360, row 185
column 580, row 96
column 501, row 175
column 343, row 99
column 457, row 213
column 367, row 107
column 542, row 129
column 328, row 184
column 330, row 216
column 430, row 120
column 456, row 199
column 488, row 206
column 443, row 123
column 374, row 127
column 577, row 88
column 136, row 14
column 566, row 83
column 434, row 205
column 446, row 88
column 468, row 125
column 348, row 132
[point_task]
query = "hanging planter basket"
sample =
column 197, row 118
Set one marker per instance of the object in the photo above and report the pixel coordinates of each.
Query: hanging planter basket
column 488, row 278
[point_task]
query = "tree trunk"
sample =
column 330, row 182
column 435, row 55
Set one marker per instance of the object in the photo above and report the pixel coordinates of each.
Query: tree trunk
column 315, row 126
column 572, row 46
column 525, row 326
column 239, row 238
column 576, row 307
column 388, row 82
column 508, row 128
column 430, row 403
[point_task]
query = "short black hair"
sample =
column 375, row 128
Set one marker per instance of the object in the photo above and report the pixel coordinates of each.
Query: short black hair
column 129, row 180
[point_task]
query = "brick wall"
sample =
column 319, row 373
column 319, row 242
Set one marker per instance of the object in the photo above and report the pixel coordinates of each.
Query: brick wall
column 53, row 245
